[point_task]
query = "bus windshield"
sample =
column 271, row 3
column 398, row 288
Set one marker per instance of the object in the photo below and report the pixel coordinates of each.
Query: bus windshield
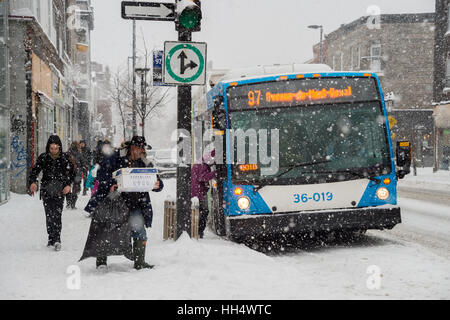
column 318, row 143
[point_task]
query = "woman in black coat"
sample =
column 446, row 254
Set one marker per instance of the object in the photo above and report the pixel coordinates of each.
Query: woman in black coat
column 57, row 176
column 137, row 203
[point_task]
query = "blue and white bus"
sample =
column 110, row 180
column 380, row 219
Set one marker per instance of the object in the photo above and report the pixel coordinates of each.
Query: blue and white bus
column 334, row 167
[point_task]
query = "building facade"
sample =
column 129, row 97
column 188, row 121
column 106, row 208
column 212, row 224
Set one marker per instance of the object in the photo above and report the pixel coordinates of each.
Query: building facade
column 43, row 82
column 101, row 86
column 81, row 23
column 441, row 93
column 4, row 104
column 399, row 49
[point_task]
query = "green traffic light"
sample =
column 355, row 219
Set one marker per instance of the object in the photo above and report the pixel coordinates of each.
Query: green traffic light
column 189, row 19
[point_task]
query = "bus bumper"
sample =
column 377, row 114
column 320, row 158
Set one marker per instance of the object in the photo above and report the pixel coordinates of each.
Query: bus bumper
column 308, row 221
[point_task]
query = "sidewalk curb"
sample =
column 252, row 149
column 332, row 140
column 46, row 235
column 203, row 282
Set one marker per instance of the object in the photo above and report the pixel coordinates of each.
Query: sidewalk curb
column 421, row 189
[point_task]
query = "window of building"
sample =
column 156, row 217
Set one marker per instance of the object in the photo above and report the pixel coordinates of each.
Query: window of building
column 341, row 62
column 375, row 57
column 447, row 73
column 352, row 58
column 358, row 58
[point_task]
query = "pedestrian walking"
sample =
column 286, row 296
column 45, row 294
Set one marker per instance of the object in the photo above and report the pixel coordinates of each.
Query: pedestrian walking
column 201, row 174
column 57, row 176
column 102, row 151
column 140, row 212
column 86, row 163
column 75, row 156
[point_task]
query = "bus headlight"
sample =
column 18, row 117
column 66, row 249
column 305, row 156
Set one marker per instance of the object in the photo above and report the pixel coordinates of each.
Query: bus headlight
column 382, row 193
column 243, row 203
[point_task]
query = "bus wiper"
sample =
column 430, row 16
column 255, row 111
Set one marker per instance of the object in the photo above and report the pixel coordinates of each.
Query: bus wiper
column 290, row 168
column 355, row 173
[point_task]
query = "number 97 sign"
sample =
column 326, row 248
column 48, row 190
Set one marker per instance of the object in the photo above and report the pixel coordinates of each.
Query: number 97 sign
column 184, row 63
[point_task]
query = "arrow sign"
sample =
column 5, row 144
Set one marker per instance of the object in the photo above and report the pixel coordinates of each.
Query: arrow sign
column 157, row 11
column 183, row 66
column 184, row 63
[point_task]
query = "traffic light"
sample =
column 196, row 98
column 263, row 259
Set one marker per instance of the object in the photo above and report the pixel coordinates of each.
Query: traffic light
column 188, row 15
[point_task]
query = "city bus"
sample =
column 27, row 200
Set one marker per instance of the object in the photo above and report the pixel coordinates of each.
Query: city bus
column 324, row 158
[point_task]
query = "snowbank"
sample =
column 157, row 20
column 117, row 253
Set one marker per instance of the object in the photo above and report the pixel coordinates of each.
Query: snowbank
column 427, row 180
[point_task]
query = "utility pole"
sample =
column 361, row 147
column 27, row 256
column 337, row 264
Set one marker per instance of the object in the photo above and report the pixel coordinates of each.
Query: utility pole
column 187, row 20
column 184, row 119
column 143, row 73
column 134, row 81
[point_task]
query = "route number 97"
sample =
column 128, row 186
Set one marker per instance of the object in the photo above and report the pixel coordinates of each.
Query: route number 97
column 254, row 98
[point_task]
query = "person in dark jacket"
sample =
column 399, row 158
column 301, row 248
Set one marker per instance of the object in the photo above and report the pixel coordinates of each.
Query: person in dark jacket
column 57, row 176
column 75, row 156
column 102, row 151
column 201, row 174
column 86, row 163
column 141, row 212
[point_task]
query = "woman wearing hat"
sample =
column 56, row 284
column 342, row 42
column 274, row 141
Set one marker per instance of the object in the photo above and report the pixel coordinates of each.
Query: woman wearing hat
column 141, row 213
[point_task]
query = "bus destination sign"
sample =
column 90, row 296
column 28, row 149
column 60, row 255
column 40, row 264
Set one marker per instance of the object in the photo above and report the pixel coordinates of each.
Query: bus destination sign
column 302, row 92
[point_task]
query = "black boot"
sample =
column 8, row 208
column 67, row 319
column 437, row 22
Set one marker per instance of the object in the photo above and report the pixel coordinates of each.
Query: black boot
column 101, row 262
column 139, row 255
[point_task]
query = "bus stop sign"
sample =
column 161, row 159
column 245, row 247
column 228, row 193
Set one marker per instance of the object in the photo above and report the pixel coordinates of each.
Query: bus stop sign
column 184, row 63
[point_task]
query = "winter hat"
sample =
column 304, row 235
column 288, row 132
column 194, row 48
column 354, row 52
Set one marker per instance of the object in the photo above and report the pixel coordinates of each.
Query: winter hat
column 138, row 141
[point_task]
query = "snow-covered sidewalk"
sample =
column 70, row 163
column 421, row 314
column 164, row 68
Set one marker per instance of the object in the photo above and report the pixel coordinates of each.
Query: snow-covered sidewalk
column 210, row 268
column 427, row 180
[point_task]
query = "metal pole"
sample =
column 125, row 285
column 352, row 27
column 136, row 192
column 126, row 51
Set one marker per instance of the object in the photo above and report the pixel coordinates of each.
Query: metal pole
column 134, row 81
column 321, row 54
column 184, row 172
column 143, row 100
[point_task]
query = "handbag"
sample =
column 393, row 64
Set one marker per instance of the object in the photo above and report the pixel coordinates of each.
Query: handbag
column 112, row 210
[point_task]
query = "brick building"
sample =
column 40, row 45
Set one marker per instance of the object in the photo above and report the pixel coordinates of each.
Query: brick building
column 441, row 93
column 400, row 51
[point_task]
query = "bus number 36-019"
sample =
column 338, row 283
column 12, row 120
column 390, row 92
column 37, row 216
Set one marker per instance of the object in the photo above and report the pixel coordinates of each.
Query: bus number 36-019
column 317, row 197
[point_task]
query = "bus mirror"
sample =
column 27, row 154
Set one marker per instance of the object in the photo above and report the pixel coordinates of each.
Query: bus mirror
column 220, row 120
column 218, row 102
column 403, row 158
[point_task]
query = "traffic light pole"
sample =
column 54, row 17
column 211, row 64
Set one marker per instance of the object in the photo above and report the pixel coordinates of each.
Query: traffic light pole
column 187, row 16
column 184, row 119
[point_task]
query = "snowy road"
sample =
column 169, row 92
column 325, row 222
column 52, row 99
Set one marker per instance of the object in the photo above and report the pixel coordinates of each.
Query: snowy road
column 426, row 221
column 411, row 261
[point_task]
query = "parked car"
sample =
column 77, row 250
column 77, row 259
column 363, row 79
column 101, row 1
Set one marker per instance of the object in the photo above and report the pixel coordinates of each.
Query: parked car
column 165, row 160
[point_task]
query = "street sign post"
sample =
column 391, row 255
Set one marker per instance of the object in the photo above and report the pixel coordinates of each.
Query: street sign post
column 158, row 56
column 184, row 63
column 158, row 11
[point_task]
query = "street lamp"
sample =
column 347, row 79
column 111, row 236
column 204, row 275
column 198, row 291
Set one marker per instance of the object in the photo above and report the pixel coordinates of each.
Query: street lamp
column 143, row 73
column 315, row 26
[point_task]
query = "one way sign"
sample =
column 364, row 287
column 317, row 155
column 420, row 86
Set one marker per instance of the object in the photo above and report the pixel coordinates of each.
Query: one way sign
column 184, row 63
column 148, row 11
